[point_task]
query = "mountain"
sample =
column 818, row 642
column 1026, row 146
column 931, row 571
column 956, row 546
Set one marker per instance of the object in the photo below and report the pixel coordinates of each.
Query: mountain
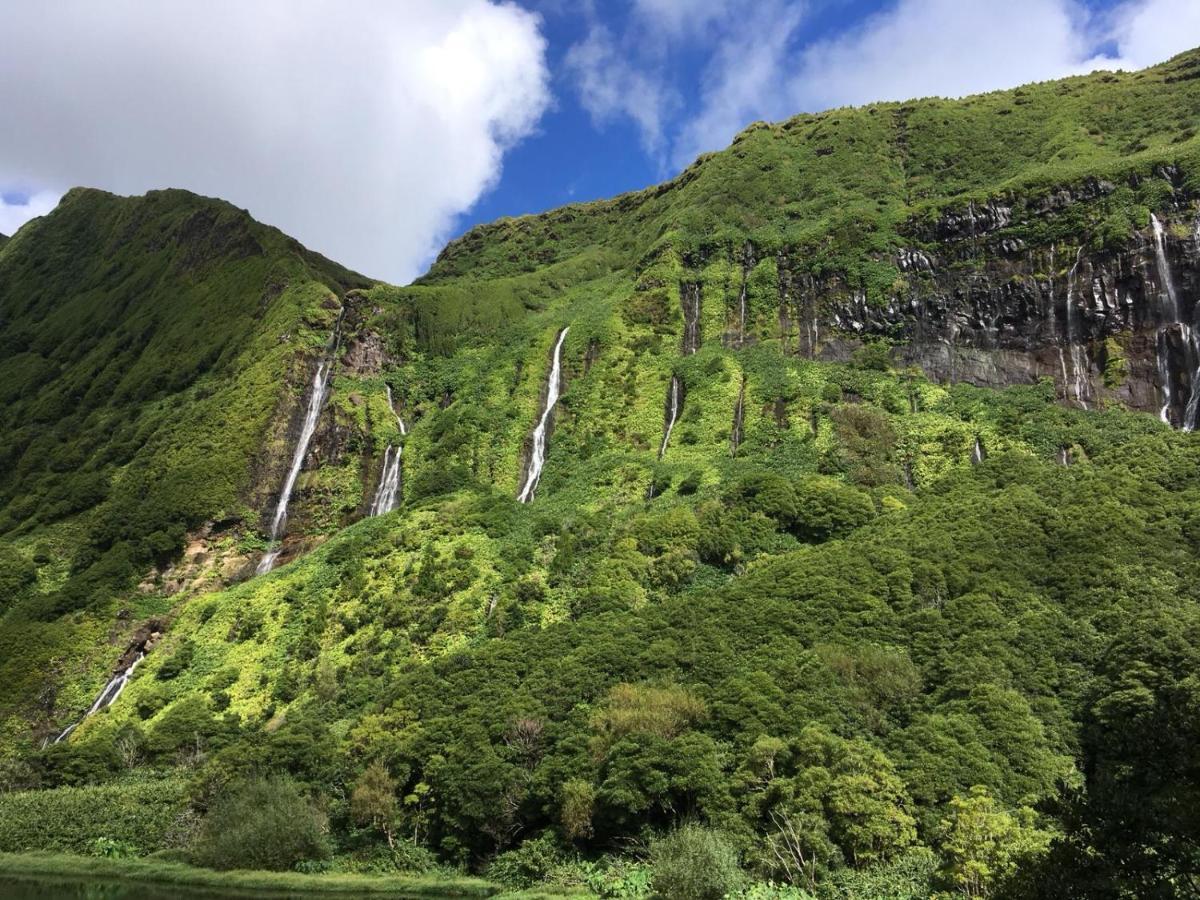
column 836, row 497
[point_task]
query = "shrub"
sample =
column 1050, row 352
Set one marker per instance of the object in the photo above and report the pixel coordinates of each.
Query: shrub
column 262, row 823
column 138, row 817
column 694, row 863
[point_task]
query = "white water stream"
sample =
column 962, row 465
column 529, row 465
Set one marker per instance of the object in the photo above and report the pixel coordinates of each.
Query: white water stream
column 106, row 697
column 537, row 456
column 673, row 398
column 387, row 495
column 317, row 395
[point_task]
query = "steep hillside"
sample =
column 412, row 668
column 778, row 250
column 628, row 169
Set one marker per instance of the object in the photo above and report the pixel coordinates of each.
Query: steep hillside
column 836, row 495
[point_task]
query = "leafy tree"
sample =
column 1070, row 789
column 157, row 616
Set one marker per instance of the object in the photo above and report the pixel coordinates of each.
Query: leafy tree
column 373, row 801
column 982, row 844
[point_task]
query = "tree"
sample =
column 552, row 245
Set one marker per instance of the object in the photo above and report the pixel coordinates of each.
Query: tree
column 373, row 801
column 982, row 844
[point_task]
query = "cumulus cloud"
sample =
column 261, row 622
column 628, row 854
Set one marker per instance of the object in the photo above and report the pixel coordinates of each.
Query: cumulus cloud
column 1154, row 30
column 611, row 87
column 760, row 62
column 745, row 80
column 360, row 127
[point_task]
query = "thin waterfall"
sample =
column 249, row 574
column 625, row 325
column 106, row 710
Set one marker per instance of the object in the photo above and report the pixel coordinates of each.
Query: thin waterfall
column 106, row 697
column 689, row 298
column 739, row 416
column 1079, row 361
column 387, row 495
column 537, row 455
column 742, row 313
column 1189, row 337
column 1170, row 301
column 317, row 395
column 978, row 454
column 674, row 401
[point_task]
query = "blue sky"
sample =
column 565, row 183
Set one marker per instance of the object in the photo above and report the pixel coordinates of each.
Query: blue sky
column 375, row 130
column 573, row 158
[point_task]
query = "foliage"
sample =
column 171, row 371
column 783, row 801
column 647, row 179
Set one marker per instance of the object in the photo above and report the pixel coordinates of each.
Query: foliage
column 140, row 816
column 261, row 824
column 694, row 863
column 982, row 844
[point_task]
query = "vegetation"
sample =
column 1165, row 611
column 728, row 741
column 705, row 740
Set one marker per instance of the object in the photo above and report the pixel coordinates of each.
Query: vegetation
column 833, row 657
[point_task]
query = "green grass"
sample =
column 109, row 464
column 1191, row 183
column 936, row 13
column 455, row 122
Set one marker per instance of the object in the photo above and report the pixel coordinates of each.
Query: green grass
column 159, row 872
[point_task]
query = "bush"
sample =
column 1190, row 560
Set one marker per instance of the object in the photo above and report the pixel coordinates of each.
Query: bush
column 139, row 817
column 694, row 863
column 262, row 823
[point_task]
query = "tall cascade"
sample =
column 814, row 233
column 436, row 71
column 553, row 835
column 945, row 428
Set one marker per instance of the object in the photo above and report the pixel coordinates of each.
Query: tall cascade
column 537, row 455
column 689, row 298
column 674, row 401
column 1079, row 362
column 387, row 495
column 1190, row 340
column 316, row 400
column 106, row 697
column 739, row 416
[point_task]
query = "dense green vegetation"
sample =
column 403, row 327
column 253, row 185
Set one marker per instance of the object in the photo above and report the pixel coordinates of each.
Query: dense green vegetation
column 831, row 658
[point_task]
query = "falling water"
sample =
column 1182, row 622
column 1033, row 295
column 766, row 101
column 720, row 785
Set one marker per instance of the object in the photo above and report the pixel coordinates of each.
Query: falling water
column 1190, row 336
column 108, row 696
column 742, row 314
column 1190, row 339
column 387, row 495
column 537, row 456
column 977, row 452
column 1079, row 362
column 673, row 401
column 317, row 395
column 1169, row 300
column 690, row 300
column 739, row 416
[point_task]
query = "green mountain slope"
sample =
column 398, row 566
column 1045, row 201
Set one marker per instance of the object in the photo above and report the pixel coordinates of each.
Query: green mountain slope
column 789, row 571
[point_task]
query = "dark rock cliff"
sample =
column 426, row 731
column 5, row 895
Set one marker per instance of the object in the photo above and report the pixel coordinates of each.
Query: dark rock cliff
column 974, row 303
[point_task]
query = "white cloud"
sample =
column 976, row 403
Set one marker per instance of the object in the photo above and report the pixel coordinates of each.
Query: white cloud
column 744, row 80
column 759, row 65
column 611, row 87
column 1155, row 30
column 13, row 214
column 944, row 48
column 676, row 18
column 362, row 128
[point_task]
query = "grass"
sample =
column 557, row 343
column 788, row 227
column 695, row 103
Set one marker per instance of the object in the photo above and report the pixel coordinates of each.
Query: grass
column 153, row 871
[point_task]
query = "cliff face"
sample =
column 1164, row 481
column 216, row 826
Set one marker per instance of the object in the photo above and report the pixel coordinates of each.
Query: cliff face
column 975, row 303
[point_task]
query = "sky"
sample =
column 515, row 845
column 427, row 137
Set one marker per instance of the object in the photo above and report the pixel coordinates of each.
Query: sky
column 376, row 130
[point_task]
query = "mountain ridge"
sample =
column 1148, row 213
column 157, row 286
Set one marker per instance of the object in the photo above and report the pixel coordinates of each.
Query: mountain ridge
column 845, row 502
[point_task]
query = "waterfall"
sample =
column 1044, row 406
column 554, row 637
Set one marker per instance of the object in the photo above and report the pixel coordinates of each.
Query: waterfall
column 1190, row 339
column 742, row 314
column 978, row 454
column 739, row 416
column 537, row 456
column 387, row 495
column 1079, row 361
column 316, row 399
column 1170, row 302
column 673, row 402
column 106, row 697
column 689, row 298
